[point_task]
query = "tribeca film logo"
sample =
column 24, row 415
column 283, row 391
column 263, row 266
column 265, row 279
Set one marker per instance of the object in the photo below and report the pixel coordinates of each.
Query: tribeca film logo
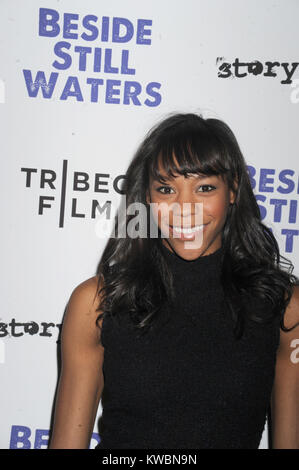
column 78, row 182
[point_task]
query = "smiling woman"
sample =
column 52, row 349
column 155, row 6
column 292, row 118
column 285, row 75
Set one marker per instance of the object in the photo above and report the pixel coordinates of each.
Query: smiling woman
column 204, row 201
column 187, row 347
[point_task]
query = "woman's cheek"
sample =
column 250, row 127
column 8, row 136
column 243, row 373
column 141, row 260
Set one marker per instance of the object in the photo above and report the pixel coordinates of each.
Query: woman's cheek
column 217, row 203
column 218, row 207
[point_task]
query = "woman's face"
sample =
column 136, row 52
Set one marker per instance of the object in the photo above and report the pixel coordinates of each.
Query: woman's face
column 194, row 229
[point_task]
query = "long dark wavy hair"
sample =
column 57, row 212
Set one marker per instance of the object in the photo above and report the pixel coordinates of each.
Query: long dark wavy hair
column 134, row 277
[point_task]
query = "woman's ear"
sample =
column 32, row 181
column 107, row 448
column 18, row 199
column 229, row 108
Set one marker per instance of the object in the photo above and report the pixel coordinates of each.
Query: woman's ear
column 232, row 197
column 233, row 193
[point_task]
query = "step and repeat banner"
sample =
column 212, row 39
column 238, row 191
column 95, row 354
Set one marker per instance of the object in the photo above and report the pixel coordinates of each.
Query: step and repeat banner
column 81, row 82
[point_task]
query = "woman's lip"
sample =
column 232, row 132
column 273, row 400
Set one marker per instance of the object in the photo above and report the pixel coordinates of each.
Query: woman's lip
column 191, row 226
column 186, row 236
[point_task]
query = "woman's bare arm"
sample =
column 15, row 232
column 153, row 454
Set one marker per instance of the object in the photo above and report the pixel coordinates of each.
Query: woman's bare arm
column 285, row 393
column 81, row 380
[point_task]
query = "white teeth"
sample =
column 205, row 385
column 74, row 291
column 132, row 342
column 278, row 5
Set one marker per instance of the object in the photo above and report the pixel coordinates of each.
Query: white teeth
column 188, row 230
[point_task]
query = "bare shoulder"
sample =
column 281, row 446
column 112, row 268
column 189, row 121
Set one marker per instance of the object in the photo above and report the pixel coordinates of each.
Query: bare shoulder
column 82, row 312
column 86, row 293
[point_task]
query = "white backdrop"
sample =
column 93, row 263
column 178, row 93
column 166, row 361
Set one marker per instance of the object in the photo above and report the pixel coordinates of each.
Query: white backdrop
column 70, row 127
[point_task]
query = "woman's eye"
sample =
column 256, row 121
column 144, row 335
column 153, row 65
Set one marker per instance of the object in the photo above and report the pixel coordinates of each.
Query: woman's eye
column 207, row 186
column 164, row 189
column 168, row 189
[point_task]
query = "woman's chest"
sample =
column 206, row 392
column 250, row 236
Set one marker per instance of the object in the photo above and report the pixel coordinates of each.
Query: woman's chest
column 192, row 357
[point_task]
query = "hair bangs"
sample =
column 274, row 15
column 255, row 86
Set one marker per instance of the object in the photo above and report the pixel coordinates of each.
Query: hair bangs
column 188, row 154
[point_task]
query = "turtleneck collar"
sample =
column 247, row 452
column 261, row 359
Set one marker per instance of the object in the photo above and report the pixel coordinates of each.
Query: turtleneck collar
column 197, row 283
column 202, row 263
column 201, row 275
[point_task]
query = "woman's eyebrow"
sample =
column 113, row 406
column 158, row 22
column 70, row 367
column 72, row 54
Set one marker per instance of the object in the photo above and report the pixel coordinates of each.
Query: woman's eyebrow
column 160, row 178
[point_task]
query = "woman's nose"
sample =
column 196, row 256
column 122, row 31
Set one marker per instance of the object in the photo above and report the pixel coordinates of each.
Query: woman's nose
column 185, row 198
column 186, row 205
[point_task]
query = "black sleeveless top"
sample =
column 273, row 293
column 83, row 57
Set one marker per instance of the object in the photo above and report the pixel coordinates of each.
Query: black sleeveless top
column 188, row 384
